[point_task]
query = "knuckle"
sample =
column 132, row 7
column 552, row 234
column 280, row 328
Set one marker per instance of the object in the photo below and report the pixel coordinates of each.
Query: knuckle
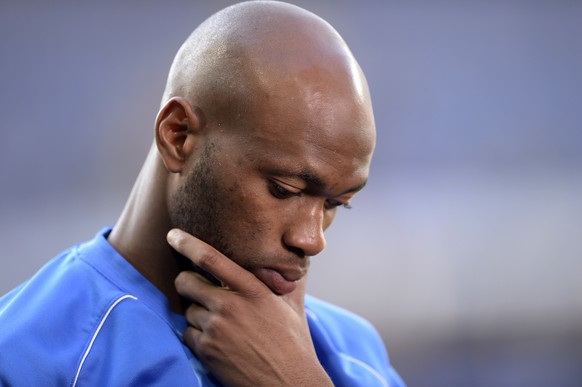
column 227, row 308
column 256, row 292
column 208, row 258
column 213, row 327
column 206, row 349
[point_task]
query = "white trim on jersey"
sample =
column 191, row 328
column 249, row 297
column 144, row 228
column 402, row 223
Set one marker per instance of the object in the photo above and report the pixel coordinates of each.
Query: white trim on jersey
column 366, row 367
column 97, row 332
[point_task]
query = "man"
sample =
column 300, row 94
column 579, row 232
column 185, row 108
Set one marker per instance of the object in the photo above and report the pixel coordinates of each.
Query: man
column 265, row 128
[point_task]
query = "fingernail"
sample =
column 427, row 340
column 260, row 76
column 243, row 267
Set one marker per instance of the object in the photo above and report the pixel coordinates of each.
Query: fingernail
column 173, row 234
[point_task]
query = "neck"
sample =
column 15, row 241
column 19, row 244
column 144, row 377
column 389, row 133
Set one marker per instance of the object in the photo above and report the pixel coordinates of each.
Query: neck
column 140, row 232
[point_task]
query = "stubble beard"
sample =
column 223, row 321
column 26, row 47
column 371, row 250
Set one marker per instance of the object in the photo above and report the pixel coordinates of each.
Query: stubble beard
column 198, row 206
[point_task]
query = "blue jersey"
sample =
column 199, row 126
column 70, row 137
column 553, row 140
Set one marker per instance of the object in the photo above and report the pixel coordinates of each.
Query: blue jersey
column 89, row 318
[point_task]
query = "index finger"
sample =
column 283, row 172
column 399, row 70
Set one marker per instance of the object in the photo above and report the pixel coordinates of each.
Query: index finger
column 211, row 260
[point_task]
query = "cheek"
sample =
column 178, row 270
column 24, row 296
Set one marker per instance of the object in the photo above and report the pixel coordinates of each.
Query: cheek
column 249, row 214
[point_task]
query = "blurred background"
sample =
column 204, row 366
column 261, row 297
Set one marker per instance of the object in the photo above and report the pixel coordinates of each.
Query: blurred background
column 465, row 249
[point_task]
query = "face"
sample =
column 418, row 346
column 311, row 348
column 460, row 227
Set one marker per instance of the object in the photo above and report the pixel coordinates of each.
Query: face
column 264, row 190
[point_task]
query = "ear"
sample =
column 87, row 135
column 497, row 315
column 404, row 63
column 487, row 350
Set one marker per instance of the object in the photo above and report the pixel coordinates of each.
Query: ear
column 178, row 129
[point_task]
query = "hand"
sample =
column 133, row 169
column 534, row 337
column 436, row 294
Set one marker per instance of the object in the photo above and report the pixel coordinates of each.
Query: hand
column 244, row 333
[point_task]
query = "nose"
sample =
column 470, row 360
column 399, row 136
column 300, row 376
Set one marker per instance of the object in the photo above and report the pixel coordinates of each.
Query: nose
column 304, row 233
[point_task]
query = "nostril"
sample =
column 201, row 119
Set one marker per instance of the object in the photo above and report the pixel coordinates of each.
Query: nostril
column 296, row 250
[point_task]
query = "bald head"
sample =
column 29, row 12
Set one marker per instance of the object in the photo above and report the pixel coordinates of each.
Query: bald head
column 266, row 127
column 260, row 50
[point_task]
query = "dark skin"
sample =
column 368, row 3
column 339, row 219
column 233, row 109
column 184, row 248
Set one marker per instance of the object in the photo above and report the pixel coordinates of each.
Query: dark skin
column 258, row 142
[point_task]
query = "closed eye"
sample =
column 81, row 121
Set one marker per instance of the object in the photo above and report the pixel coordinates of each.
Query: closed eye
column 281, row 192
column 331, row 204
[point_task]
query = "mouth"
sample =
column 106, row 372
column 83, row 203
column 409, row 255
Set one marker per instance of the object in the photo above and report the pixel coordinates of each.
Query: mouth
column 280, row 281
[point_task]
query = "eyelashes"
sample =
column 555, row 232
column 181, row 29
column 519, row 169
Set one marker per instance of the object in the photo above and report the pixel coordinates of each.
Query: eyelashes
column 280, row 192
column 329, row 204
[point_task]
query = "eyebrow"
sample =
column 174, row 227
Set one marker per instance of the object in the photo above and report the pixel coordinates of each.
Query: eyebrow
column 311, row 178
column 318, row 182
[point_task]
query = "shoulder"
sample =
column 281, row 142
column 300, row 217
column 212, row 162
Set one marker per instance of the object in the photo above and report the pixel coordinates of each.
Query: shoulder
column 333, row 314
column 346, row 330
column 132, row 345
column 348, row 346
column 71, row 325
column 55, row 309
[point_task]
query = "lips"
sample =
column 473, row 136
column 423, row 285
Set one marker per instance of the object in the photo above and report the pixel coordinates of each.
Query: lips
column 279, row 281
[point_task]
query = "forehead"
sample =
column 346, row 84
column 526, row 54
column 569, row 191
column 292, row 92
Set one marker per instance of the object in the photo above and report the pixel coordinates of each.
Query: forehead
column 327, row 141
column 310, row 112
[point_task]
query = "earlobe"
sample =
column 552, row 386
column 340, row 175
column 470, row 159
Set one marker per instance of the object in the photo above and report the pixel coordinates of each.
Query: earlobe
column 178, row 129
